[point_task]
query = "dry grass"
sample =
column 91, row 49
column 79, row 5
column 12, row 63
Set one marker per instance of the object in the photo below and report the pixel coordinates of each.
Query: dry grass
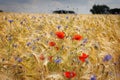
column 26, row 38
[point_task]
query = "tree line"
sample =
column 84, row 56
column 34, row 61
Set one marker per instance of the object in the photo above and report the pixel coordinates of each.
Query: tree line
column 96, row 9
column 104, row 9
column 1, row 10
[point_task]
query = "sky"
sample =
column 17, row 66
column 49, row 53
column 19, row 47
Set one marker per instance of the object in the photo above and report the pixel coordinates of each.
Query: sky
column 47, row 6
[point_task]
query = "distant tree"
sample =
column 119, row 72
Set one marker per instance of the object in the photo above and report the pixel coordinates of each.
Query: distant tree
column 71, row 12
column 100, row 9
column 1, row 10
column 114, row 11
column 63, row 12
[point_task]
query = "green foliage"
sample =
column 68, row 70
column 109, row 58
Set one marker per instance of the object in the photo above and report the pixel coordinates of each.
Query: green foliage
column 100, row 9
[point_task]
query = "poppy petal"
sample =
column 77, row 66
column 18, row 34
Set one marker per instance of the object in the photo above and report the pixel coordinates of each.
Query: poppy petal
column 52, row 43
column 60, row 35
column 77, row 37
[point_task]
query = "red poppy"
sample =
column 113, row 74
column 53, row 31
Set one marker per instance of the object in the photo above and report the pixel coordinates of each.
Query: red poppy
column 83, row 57
column 42, row 57
column 77, row 37
column 69, row 74
column 52, row 43
column 60, row 35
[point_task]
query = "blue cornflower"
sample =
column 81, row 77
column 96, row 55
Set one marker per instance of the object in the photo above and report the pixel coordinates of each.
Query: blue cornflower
column 18, row 59
column 93, row 78
column 28, row 44
column 58, row 27
column 9, row 37
column 85, row 40
column 66, row 27
column 51, row 33
column 58, row 60
column 10, row 21
column 33, row 47
column 67, row 17
column 107, row 57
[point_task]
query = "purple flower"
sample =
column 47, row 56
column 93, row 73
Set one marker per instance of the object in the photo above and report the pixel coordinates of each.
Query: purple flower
column 58, row 60
column 58, row 27
column 28, row 44
column 34, row 47
column 85, row 40
column 9, row 38
column 107, row 57
column 10, row 21
column 67, row 17
column 93, row 77
column 51, row 33
column 18, row 59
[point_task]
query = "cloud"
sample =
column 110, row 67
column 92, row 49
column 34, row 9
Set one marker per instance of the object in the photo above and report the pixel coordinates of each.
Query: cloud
column 22, row 5
column 99, row 1
column 14, row 1
column 45, row 6
column 57, row 3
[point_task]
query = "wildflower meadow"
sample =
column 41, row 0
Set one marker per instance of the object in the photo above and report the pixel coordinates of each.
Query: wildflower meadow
column 59, row 47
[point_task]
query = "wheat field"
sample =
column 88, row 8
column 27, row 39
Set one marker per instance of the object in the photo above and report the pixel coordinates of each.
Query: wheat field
column 30, row 49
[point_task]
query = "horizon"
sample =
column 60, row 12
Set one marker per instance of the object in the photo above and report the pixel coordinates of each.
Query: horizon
column 48, row 6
